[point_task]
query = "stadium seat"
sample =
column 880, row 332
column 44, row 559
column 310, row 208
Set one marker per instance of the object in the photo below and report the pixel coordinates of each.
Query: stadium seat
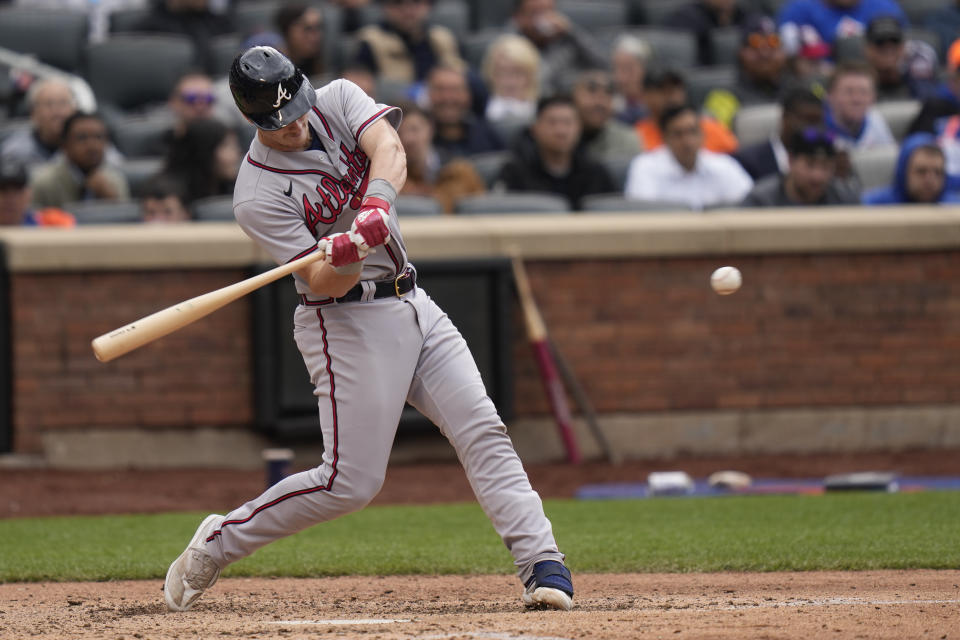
column 390, row 91
column 768, row 7
column 332, row 28
column 253, row 17
column 726, row 45
column 850, row 49
column 417, row 206
column 674, row 48
column 213, row 209
column 474, row 45
column 618, row 168
column 142, row 135
column 139, row 171
column 489, row 164
column 509, row 129
column 57, row 37
column 924, row 35
column 491, row 13
column 125, row 20
column 702, row 80
column 655, row 12
column 345, row 52
column 899, row 114
column 8, row 127
column 114, row 68
column 615, row 202
column 452, row 14
column 512, row 202
column 593, row 15
column 223, row 49
column 917, row 10
column 104, row 211
column 755, row 123
column 371, row 13
column 875, row 166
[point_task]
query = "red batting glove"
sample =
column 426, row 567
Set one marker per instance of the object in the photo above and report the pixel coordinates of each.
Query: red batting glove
column 341, row 250
column 370, row 225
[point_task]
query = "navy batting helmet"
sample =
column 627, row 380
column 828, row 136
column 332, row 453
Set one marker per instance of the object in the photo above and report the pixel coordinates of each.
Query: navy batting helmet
column 269, row 89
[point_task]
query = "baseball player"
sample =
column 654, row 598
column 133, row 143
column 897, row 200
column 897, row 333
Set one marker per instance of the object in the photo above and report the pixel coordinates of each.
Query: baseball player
column 322, row 174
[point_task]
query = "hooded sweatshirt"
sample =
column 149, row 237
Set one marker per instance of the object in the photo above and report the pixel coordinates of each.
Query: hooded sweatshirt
column 896, row 193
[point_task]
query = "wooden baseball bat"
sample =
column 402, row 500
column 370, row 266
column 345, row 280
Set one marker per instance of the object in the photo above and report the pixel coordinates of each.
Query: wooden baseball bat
column 537, row 336
column 583, row 402
column 147, row 329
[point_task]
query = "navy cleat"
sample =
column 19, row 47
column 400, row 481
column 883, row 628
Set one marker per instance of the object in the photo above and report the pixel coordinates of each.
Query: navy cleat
column 550, row 587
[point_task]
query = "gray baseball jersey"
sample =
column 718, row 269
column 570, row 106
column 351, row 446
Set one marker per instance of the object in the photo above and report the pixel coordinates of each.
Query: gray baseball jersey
column 286, row 201
column 366, row 358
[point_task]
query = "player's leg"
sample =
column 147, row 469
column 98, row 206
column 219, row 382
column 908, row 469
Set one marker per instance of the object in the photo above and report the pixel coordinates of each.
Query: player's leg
column 360, row 361
column 447, row 388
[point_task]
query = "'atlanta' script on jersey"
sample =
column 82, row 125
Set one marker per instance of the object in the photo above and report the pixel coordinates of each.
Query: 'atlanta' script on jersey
column 335, row 193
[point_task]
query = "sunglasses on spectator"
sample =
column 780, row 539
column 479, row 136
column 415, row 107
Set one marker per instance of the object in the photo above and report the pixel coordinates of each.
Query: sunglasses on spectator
column 880, row 42
column 198, row 97
column 760, row 40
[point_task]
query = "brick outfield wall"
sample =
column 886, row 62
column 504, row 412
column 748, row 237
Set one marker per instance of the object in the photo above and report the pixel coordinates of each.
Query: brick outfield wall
column 643, row 335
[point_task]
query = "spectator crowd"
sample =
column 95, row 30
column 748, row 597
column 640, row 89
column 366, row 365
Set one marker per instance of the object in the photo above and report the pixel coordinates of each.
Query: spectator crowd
column 694, row 105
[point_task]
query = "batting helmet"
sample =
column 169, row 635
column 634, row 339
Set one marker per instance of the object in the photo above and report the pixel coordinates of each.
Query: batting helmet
column 269, row 89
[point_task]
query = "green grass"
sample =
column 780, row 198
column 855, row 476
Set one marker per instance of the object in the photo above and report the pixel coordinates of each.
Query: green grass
column 775, row 533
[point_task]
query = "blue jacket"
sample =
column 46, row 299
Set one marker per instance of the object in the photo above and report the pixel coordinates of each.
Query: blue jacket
column 828, row 20
column 896, row 193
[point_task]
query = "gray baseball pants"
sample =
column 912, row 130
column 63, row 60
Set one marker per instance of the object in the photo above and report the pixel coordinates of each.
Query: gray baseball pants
column 365, row 359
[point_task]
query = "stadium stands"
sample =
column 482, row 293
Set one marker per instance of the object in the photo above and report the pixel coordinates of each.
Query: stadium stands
column 104, row 211
column 419, row 206
column 875, row 166
column 113, row 66
column 55, row 37
column 213, row 209
column 506, row 203
column 615, row 202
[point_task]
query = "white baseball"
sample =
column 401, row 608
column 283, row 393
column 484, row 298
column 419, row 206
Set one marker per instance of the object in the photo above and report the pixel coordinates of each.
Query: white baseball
column 726, row 280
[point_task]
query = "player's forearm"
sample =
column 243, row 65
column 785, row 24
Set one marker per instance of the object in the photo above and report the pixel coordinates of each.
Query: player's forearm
column 324, row 281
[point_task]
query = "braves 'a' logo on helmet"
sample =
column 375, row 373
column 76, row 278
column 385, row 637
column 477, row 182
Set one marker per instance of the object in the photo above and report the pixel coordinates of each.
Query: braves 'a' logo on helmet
column 282, row 94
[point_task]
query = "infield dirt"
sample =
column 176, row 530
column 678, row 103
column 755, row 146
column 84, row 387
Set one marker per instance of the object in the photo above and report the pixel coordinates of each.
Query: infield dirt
column 888, row 604
column 793, row 606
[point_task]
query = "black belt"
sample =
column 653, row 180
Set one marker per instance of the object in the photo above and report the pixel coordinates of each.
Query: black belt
column 397, row 287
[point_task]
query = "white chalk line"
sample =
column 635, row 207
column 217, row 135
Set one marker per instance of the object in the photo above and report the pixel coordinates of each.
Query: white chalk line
column 479, row 635
column 493, row 635
column 826, row 602
column 342, row 621
column 488, row 635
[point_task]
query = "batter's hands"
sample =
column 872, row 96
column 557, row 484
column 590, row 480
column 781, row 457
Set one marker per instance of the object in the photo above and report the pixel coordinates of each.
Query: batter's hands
column 369, row 229
column 341, row 249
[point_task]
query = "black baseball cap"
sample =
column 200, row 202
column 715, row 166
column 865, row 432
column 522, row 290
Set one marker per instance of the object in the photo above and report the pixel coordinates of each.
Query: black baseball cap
column 12, row 175
column 813, row 141
column 759, row 24
column 884, row 29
